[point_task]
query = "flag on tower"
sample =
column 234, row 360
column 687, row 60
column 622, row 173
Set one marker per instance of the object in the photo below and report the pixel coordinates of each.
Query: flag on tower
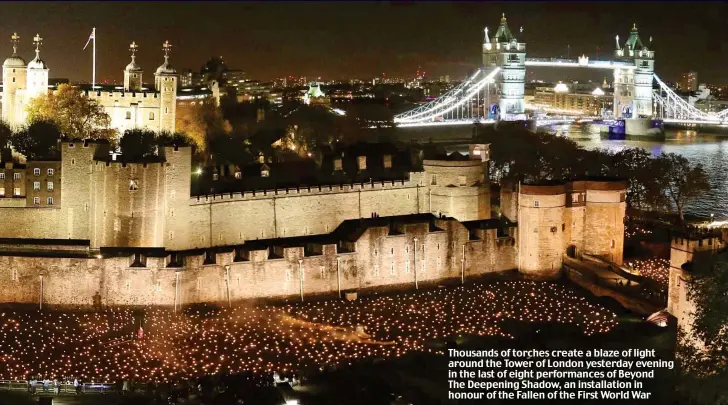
column 90, row 37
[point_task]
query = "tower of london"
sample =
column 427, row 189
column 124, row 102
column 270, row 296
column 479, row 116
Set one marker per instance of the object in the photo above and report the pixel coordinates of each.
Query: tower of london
column 133, row 106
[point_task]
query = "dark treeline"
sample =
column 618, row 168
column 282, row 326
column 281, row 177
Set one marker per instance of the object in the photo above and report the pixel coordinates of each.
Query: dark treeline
column 660, row 183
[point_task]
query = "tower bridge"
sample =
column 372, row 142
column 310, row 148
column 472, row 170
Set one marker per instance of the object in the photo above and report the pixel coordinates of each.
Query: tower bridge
column 496, row 91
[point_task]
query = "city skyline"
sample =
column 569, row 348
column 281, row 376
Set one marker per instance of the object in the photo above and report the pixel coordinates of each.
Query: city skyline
column 355, row 39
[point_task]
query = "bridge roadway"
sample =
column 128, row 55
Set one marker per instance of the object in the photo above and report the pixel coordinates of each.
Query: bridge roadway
column 580, row 62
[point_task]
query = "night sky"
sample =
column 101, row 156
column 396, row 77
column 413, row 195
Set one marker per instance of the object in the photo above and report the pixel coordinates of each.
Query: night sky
column 342, row 40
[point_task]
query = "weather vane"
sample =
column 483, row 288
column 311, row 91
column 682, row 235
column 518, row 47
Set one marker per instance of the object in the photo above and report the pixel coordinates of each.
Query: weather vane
column 15, row 38
column 37, row 40
column 133, row 48
column 166, row 47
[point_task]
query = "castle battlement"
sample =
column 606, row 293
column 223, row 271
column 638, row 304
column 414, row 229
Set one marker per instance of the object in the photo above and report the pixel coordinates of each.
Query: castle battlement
column 304, row 190
column 104, row 95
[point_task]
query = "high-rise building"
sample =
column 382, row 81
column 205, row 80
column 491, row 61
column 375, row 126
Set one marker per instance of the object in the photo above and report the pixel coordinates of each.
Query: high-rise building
column 689, row 81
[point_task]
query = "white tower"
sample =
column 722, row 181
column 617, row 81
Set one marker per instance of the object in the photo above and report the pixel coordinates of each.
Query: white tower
column 633, row 87
column 14, row 79
column 37, row 73
column 133, row 72
column 165, row 81
column 504, row 51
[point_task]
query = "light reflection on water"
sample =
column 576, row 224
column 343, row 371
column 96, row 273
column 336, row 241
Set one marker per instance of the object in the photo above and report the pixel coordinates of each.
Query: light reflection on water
column 709, row 150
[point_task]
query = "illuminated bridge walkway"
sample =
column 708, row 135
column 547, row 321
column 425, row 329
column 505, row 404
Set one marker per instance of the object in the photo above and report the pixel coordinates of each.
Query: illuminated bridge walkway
column 468, row 103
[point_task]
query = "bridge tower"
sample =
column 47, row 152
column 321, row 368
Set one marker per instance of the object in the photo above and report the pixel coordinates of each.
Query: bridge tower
column 633, row 87
column 505, row 52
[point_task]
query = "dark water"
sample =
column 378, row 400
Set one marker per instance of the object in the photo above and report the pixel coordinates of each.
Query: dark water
column 709, row 150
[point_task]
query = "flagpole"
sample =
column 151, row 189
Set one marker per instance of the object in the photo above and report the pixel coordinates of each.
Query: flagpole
column 93, row 77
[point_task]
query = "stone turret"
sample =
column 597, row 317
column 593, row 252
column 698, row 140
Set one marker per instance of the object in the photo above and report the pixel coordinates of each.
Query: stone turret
column 37, row 79
column 14, row 79
column 165, row 81
column 133, row 72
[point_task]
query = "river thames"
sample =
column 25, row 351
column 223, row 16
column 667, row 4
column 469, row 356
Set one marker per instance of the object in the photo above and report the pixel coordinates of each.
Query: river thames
column 709, row 150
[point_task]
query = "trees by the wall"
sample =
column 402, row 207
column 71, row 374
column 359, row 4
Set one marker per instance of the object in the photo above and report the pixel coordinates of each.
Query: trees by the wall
column 38, row 140
column 76, row 115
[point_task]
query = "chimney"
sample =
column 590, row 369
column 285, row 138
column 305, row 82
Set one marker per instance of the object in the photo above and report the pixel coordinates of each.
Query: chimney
column 387, row 161
column 361, row 162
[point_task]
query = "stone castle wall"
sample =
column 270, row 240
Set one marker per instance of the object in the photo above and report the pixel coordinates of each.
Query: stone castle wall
column 573, row 218
column 379, row 258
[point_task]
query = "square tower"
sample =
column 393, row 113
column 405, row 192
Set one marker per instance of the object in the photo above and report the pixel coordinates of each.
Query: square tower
column 505, row 52
column 633, row 86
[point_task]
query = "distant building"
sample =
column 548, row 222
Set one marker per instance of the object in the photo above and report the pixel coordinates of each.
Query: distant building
column 190, row 79
column 688, row 81
column 233, row 78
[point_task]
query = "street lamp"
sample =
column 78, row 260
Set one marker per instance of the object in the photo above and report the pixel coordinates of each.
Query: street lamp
column 415, row 263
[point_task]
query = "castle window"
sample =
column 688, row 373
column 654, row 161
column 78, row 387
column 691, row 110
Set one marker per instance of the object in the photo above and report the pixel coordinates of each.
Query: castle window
column 214, row 176
column 375, row 273
column 138, row 260
column 36, row 200
column 50, row 172
column 289, row 275
column 166, row 110
column 50, row 200
column 15, row 275
column 2, row 176
column 563, row 227
column 434, row 180
column 322, row 271
column 376, row 252
column 151, row 116
column 13, row 80
column 36, row 171
column 49, row 186
column 391, row 269
column 575, row 198
column 128, row 115
column 614, row 244
column 407, row 267
column 2, row 191
column 16, row 191
column 210, row 258
column 16, row 176
column 535, row 203
column 133, row 185
column 462, row 180
column 36, row 185
column 238, row 175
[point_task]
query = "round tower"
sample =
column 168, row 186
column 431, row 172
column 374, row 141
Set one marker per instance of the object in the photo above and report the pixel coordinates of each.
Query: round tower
column 37, row 76
column 541, row 230
column 133, row 72
column 14, row 79
column 165, row 81
column 604, row 219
